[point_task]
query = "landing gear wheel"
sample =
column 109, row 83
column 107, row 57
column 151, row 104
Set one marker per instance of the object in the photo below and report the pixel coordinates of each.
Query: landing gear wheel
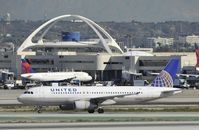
column 39, row 109
column 91, row 110
column 100, row 110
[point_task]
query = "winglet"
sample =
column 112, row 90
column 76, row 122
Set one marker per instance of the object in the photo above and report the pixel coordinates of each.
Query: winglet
column 167, row 76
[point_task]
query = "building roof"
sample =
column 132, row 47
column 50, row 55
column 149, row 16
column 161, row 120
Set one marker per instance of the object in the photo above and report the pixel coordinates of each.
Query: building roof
column 137, row 53
column 107, row 43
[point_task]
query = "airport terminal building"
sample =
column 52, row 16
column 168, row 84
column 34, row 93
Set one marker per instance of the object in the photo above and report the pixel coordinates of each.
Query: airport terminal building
column 102, row 58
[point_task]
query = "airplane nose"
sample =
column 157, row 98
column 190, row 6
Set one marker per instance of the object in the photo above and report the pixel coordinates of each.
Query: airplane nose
column 90, row 78
column 19, row 99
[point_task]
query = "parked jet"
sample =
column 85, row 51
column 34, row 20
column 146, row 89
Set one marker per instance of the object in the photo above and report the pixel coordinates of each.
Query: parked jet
column 91, row 97
column 52, row 76
column 197, row 65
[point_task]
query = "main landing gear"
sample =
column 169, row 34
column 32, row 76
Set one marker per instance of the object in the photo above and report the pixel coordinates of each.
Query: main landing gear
column 91, row 110
column 99, row 110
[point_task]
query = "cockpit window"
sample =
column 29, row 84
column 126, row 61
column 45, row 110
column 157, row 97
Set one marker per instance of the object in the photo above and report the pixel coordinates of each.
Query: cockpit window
column 28, row 92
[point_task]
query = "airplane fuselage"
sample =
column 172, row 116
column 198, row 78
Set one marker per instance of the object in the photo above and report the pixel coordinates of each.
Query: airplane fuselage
column 114, row 94
column 58, row 76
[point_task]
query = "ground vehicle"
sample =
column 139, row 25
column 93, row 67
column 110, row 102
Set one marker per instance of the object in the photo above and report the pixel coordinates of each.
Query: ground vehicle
column 9, row 85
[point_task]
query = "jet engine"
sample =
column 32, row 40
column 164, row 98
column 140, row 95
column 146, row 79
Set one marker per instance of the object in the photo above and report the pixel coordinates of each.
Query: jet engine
column 79, row 105
column 82, row 105
column 70, row 106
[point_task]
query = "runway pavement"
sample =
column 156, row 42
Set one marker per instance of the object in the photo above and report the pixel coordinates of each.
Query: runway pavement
column 109, row 120
column 105, row 126
column 106, row 121
column 107, row 114
column 33, row 117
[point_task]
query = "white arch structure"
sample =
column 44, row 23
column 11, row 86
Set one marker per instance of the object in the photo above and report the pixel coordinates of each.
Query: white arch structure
column 96, row 28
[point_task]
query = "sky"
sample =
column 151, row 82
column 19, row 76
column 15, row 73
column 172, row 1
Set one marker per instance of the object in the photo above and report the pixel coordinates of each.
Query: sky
column 104, row 10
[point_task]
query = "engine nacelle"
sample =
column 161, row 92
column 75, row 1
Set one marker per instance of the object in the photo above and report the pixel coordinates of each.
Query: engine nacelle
column 70, row 106
column 79, row 105
column 82, row 105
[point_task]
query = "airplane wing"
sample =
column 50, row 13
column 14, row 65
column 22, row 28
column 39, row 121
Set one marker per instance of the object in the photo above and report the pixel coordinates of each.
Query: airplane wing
column 170, row 92
column 108, row 100
column 178, row 75
column 132, row 73
column 188, row 75
column 154, row 74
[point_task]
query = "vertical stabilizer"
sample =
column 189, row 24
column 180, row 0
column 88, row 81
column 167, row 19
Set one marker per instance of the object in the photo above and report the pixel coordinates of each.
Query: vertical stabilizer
column 26, row 66
column 167, row 76
column 197, row 56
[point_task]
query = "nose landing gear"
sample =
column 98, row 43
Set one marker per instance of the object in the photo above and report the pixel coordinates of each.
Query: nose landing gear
column 91, row 110
column 38, row 109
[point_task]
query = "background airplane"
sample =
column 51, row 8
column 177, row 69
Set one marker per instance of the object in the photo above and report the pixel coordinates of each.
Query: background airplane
column 197, row 65
column 91, row 98
column 52, row 76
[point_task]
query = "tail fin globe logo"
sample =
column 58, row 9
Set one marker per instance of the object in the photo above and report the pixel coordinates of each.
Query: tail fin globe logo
column 166, row 76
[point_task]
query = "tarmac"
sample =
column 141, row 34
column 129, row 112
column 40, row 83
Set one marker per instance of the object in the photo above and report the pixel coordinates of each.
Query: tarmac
column 104, row 126
column 107, row 121
column 55, row 121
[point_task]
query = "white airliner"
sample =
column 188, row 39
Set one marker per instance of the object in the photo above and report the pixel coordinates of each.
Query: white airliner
column 91, row 97
column 53, row 76
column 58, row 76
